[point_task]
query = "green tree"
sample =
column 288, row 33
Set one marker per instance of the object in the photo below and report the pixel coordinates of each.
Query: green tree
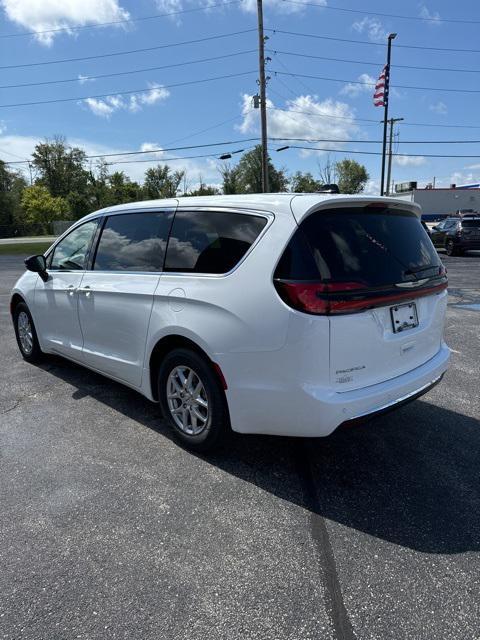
column 352, row 176
column 41, row 207
column 61, row 169
column 11, row 187
column 203, row 189
column 162, row 182
column 230, row 179
column 122, row 189
column 98, row 184
column 304, row 183
column 249, row 173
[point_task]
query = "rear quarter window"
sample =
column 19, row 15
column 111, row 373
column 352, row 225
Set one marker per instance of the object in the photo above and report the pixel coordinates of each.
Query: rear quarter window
column 211, row 242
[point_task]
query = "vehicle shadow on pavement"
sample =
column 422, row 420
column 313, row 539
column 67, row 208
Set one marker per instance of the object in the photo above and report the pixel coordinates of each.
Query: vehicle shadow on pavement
column 411, row 477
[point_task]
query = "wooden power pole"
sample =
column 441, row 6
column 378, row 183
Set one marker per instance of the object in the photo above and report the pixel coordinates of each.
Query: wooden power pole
column 263, row 101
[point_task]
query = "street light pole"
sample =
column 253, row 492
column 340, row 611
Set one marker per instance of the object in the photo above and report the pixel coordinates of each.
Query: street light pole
column 391, row 37
column 389, row 170
column 263, row 100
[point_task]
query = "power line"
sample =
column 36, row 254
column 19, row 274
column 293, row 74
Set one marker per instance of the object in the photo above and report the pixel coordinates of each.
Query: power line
column 372, row 84
column 374, row 64
column 124, row 73
column 116, row 22
column 128, row 52
column 123, row 93
column 160, row 150
column 373, row 44
column 215, row 126
column 350, row 140
column 378, row 153
column 352, row 119
column 433, row 19
column 174, row 158
column 161, row 160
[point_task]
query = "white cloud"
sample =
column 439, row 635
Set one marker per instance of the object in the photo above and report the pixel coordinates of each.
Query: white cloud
column 153, row 147
column 372, row 27
column 372, row 188
column 406, row 161
column 84, row 79
column 432, row 17
column 106, row 106
column 439, row 107
column 367, row 85
column 251, row 5
column 301, row 119
column 459, row 177
column 45, row 15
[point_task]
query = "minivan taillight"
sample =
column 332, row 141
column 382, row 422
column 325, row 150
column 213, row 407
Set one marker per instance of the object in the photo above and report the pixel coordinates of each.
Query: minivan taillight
column 345, row 297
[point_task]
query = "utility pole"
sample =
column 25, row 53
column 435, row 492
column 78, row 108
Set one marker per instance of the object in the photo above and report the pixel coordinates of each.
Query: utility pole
column 263, row 101
column 391, row 37
column 389, row 171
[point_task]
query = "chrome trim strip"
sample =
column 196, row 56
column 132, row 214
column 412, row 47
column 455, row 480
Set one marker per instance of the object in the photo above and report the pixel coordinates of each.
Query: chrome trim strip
column 397, row 400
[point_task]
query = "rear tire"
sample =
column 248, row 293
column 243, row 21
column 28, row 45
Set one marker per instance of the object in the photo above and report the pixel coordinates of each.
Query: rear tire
column 192, row 400
column 26, row 335
column 451, row 249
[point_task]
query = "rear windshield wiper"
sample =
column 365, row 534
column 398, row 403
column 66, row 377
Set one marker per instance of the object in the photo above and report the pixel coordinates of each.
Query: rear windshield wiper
column 413, row 272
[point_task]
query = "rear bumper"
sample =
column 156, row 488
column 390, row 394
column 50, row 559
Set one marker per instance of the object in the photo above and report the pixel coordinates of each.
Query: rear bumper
column 312, row 411
column 395, row 404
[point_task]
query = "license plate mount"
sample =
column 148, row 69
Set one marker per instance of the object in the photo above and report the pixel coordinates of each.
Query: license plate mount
column 404, row 317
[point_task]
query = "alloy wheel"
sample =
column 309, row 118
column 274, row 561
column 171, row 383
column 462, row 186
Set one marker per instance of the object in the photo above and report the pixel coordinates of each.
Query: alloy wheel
column 25, row 333
column 187, row 400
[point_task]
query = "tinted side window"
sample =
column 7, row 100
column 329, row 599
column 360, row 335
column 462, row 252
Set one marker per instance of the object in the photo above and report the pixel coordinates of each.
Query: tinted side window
column 133, row 242
column 210, row 242
column 71, row 253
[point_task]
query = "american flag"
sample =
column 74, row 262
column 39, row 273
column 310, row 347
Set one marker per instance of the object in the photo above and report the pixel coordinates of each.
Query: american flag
column 380, row 96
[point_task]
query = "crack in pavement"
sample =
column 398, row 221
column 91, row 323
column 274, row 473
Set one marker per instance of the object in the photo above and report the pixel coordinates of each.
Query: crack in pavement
column 334, row 603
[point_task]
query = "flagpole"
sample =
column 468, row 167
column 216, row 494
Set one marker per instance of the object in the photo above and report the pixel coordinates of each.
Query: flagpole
column 391, row 37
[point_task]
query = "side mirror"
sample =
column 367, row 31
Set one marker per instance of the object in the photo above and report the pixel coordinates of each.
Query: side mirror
column 37, row 264
column 435, row 228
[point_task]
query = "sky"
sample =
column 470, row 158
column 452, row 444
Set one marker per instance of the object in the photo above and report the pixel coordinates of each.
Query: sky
column 194, row 83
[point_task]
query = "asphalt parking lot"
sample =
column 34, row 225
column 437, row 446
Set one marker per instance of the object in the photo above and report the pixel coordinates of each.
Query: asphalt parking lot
column 108, row 529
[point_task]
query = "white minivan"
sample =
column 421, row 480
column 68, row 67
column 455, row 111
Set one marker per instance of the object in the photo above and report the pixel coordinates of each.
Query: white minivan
column 278, row 314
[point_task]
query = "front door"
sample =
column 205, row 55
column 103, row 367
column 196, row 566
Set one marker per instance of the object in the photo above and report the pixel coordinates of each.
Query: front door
column 116, row 296
column 56, row 300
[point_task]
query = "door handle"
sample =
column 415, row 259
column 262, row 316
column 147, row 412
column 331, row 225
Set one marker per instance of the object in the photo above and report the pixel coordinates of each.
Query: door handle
column 86, row 290
column 71, row 290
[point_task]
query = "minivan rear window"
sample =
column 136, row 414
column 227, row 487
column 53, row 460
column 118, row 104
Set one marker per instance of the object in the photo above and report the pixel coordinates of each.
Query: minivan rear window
column 369, row 245
column 471, row 224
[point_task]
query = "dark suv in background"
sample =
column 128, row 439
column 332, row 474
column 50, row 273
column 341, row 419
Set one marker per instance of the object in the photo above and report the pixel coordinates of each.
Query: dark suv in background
column 457, row 234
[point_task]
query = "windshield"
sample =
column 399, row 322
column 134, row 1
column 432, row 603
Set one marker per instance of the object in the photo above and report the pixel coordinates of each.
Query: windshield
column 375, row 246
column 471, row 223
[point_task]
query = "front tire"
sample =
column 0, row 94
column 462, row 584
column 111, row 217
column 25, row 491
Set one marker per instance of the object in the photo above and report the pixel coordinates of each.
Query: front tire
column 26, row 335
column 192, row 399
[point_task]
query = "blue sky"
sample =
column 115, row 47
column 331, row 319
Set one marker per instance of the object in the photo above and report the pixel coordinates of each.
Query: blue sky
column 158, row 115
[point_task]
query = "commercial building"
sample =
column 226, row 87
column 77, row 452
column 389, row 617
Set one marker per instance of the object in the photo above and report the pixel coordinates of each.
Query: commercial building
column 440, row 202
